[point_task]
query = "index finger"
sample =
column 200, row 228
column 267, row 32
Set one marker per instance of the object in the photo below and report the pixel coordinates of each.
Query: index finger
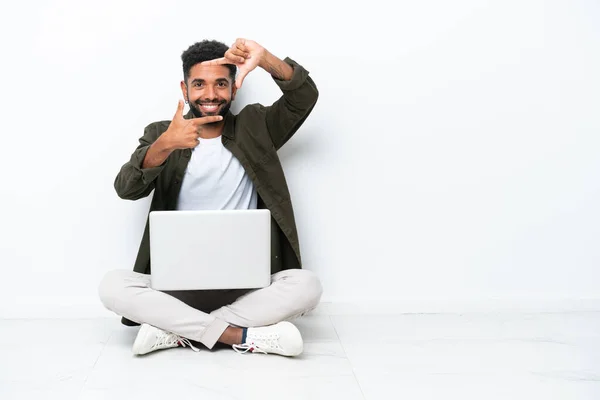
column 179, row 112
column 206, row 120
column 218, row 61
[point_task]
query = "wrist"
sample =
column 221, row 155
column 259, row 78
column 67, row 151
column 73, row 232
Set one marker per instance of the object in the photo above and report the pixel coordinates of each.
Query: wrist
column 163, row 144
column 278, row 69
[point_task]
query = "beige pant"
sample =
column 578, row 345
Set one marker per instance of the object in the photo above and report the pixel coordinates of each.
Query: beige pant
column 292, row 293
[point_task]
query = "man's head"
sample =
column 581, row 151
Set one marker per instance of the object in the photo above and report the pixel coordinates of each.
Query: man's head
column 209, row 89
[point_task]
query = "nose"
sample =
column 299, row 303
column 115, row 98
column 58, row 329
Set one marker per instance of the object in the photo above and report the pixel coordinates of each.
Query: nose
column 210, row 93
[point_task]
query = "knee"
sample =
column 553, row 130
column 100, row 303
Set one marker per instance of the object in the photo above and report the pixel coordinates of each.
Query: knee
column 111, row 285
column 309, row 287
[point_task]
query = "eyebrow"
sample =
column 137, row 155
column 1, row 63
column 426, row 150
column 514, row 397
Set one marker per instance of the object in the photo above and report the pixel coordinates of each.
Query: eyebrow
column 198, row 80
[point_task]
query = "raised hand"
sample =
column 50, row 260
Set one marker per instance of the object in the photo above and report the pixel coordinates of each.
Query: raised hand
column 184, row 133
column 245, row 54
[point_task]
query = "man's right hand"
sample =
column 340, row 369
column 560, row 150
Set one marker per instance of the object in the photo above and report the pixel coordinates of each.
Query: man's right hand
column 184, row 133
column 181, row 134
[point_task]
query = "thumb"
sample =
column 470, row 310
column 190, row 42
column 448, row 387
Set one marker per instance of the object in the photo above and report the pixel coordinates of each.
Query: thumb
column 179, row 112
column 240, row 78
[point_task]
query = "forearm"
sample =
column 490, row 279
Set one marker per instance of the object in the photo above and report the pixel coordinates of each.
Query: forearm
column 276, row 67
column 136, row 179
column 133, row 180
column 288, row 113
column 158, row 152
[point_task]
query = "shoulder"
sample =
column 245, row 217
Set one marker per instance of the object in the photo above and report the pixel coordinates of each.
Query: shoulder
column 255, row 110
column 253, row 119
column 155, row 129
column 251, row 123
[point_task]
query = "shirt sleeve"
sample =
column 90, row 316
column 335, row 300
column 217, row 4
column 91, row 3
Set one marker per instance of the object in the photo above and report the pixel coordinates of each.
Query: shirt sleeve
column 134, row 182
column 289, row 112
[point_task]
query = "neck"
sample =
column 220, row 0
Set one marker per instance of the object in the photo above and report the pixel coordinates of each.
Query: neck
column 211, row 131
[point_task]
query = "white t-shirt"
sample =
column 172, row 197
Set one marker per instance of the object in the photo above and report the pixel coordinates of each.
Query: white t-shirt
column 215, row 180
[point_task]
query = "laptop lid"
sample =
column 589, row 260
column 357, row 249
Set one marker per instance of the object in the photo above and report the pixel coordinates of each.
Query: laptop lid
column 216, row 249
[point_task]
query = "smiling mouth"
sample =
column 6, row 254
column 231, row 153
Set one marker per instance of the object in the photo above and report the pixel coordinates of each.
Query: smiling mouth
column 209, row 107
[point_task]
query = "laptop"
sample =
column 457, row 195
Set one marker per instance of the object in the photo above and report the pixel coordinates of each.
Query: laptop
column 205, row 250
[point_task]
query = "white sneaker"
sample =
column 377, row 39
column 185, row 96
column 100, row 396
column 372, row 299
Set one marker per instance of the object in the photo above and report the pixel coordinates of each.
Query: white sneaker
column 150, row 338
column 282, row 338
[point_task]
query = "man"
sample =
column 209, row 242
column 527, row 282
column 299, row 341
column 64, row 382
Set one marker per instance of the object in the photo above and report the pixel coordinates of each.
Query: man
column 213, row 159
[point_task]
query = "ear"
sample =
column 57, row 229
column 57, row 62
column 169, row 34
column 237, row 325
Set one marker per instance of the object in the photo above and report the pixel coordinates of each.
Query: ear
column 184, row 91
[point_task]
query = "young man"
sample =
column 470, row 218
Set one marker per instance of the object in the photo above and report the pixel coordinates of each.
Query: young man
column 212, row 159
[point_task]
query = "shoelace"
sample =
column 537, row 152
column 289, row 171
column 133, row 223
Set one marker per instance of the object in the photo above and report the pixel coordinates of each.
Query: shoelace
column 246, row 347
column 171, row 339
column 270, row 340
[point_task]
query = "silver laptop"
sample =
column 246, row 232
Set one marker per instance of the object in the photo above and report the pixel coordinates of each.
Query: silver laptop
column 202, row 250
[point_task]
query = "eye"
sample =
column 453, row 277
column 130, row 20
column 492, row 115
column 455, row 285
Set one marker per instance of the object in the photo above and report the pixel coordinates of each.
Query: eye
column 197, row 84
column 222, row 84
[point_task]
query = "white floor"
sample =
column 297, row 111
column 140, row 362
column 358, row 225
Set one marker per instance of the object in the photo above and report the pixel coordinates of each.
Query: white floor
column 411, row 356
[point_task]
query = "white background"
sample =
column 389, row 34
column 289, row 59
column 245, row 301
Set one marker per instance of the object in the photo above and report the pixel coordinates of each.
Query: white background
column 452, row 156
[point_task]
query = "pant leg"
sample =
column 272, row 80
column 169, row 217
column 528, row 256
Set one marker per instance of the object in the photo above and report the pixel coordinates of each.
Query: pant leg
column 207, row 300
column 292, row 293
column 129, row 294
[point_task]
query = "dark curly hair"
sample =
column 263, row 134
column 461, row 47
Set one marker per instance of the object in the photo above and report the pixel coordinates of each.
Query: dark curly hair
column 205, row 50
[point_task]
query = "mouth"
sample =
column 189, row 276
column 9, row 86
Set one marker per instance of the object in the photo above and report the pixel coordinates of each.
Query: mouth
column 209, row 107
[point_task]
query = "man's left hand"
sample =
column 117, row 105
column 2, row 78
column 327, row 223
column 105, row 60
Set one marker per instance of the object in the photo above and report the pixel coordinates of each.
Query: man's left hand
column 245, row 54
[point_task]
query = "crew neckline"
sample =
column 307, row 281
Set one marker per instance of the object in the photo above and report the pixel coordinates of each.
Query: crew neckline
column 211, row 141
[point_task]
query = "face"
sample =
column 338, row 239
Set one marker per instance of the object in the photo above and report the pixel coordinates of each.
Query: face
column 209, row 90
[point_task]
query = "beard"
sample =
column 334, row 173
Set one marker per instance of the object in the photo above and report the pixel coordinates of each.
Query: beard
column 223, row 104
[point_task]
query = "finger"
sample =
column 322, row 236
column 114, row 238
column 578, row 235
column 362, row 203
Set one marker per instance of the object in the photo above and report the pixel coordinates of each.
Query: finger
column 191, row 144
column 179, row 112
column 240, row 78
column 206, row 120
column 234, row 58
column 240, row 50
column 218, row 61
column 240, row 53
